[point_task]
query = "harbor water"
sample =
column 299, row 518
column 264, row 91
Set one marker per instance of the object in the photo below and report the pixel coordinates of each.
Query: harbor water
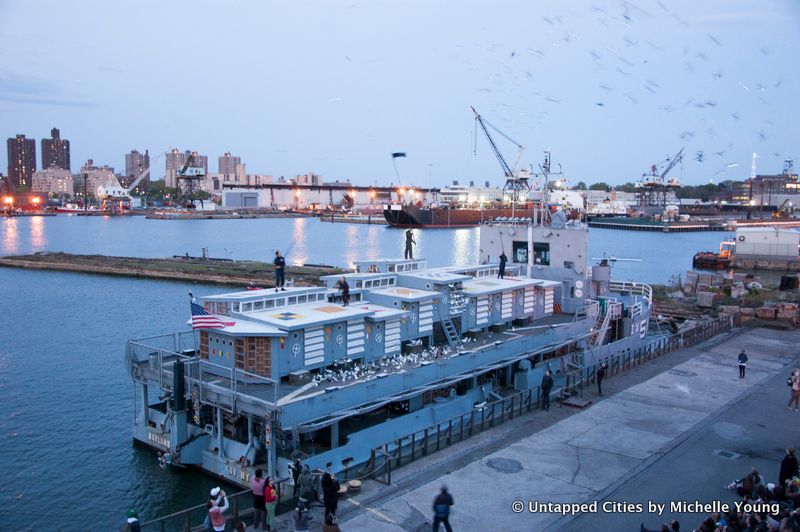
column 65, row 444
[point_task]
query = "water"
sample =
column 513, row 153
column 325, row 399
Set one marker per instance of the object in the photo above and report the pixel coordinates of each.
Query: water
column 66, row 407
column 307, row 240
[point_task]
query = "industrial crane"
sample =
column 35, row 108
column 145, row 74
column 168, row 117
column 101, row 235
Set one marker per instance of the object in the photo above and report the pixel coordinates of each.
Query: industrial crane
column 116, row 198
column 187, row 180
column 516, row 183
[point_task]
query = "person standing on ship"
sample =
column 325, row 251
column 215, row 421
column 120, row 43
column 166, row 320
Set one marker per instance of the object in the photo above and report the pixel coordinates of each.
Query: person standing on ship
column 409, row 241
column 503, row 259
column 344, row 288
column 280, row 271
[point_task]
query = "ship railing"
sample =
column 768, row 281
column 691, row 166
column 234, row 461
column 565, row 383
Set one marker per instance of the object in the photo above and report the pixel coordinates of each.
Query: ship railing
column 634, row 288
column 231, row 389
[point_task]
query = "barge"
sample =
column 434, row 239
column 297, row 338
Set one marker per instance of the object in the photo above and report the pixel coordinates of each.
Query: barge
column 299, row 374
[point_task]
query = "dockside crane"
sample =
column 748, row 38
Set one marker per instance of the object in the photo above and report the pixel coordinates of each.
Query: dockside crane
column 187, row 181
column 517, row 185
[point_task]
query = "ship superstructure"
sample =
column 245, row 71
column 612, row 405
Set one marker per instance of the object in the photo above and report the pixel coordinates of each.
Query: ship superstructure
column 299, row 374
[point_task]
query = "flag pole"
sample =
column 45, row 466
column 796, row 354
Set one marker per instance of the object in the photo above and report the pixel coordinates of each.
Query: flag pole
column 194, row 335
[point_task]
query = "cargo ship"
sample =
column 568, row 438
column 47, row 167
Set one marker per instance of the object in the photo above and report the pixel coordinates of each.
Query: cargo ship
column 268, row 377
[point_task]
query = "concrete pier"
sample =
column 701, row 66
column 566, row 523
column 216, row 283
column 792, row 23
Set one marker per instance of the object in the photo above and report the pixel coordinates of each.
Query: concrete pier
column 610, row 448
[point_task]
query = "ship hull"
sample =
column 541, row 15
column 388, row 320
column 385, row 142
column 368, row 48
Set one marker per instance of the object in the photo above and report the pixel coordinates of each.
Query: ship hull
column 409, row 216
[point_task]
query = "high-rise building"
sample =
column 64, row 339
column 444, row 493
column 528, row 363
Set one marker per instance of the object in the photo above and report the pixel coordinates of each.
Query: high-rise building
column 227, row 166
column 21, row 161
column 55, row 151
column 135, row 164
column 175, row 161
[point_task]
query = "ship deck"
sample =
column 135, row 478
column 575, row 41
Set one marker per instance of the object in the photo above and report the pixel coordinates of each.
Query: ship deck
column 404, row 363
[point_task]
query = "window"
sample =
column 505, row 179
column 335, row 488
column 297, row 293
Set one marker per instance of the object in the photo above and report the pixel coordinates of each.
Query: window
column 519, row 252
column 569, row 264
column 280, row 302
column 269, row 303
column 391, row 281
column 247, row 307
column 258, row 305
column 292, row 300
column 236, row 307
column 541, row 253
column 301, row 299
column 391, row 268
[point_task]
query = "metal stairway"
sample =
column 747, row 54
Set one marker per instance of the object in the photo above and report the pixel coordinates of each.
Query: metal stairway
column 449, row 328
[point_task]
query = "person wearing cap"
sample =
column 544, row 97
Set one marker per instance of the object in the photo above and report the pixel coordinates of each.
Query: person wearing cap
column 215, row 520
column 133, row 524
column 789, row 467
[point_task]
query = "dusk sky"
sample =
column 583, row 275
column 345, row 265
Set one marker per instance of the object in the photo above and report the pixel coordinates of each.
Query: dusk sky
column 335, row 87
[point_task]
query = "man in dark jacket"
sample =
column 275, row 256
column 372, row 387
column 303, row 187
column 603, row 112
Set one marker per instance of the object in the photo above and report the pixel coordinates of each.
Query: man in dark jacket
column 344, row 288
column 547, row 385
column 601, row 374
column 441, row 510
column 503, row 259
column 742, row 363
column 280, row 271
column 409, row 241
column 788, row 467
column 330, row 493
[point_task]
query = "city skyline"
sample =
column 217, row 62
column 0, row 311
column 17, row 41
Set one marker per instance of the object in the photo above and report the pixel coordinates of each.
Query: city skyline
column 610, row 88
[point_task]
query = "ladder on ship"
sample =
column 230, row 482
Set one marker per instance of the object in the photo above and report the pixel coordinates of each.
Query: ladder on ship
column 450, row 332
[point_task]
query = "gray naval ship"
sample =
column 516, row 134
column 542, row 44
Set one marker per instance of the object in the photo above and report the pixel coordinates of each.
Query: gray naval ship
column 298, row 374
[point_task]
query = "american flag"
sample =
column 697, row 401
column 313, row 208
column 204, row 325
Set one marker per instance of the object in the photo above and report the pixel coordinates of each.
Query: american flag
column 203, row 320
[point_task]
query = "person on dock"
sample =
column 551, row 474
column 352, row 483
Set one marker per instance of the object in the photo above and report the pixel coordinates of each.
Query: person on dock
column 601, row 374
column 217, row 505
column 270, row 501
column 132, row 524
column 794, row 382
column 295, row 468
column 257, row 484
column 330, row 493
column 280, row 271
column 547, row 386
column 789, row 467
column 344, row 288
column 441, row 510
column 409, row 241
column 306, row 490
column 742, row 363
column 502, row 271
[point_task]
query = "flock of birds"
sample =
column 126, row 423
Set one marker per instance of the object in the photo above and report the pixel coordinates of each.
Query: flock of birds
column 625, row 63
column 387, row 365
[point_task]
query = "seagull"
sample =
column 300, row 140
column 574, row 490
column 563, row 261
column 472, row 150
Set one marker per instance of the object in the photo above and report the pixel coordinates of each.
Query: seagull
column 714, row 40
column 536, row 52
column 717, row 74
column 742, row 85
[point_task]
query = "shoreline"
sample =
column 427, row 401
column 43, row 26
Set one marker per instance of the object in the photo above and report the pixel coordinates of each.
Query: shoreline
column 216, row 271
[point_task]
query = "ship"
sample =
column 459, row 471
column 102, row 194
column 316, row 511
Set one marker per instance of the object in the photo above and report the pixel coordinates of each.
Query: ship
column 522, row 193
column 301, row 374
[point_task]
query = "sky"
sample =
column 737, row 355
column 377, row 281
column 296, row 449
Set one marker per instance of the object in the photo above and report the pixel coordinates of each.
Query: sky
column 334, row 87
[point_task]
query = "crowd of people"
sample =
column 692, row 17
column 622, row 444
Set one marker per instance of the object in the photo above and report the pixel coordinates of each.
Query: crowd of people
column 765, row 506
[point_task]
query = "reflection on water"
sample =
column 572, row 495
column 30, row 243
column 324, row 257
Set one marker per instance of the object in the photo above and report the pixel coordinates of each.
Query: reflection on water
column 352, row 250
column 298, row 248
column 38, row 239
column 10, row 235
column 464, row 244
